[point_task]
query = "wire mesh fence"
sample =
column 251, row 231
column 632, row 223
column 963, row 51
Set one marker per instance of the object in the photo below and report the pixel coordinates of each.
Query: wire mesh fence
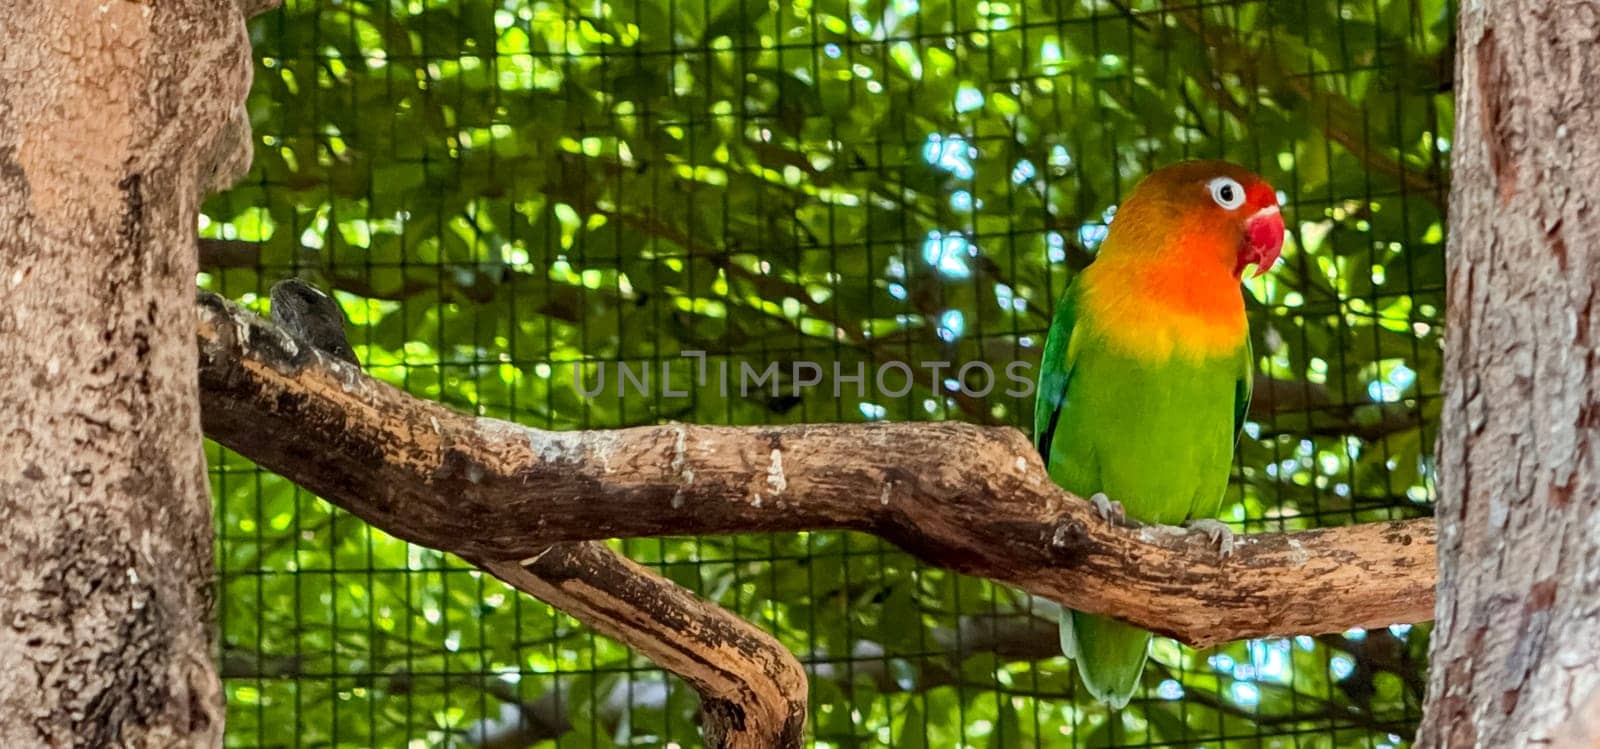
column 514, row 199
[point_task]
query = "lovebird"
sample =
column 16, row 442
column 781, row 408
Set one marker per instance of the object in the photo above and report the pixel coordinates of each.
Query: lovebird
column 1146, row 371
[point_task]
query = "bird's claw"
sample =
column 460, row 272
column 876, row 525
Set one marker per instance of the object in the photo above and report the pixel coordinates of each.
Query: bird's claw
column 1108, row 509
column 1220, row 535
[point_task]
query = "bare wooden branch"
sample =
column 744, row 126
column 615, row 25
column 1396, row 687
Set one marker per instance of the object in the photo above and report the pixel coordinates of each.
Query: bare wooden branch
column 752, row 689
column 973, row 499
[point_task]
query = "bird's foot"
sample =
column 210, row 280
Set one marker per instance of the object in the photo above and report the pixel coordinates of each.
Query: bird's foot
column 1220, row 535
column 1108, row 509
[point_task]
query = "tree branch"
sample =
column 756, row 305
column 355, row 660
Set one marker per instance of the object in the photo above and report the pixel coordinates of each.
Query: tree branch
column 976, row 500
column 752, row 689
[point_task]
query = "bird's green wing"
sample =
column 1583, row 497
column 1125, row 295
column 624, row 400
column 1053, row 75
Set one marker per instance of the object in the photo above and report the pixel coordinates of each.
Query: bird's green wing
column 1055, row 372
column 1242, row 389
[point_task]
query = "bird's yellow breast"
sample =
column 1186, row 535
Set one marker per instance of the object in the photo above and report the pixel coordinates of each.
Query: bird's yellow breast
column 1154, row 316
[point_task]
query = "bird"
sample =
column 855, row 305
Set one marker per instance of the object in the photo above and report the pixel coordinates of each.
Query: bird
column 311, row 315
column 1146, row 374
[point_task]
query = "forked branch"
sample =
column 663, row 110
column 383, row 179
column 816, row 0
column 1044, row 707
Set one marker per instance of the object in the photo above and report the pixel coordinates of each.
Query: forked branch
column 973, row 499
column 752, row 689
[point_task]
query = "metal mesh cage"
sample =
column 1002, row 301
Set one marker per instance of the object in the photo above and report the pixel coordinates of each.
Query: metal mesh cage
column 514, row 199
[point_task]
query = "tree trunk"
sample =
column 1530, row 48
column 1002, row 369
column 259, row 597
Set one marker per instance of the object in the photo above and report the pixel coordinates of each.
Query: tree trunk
column 1516, row 649
column 114, row 118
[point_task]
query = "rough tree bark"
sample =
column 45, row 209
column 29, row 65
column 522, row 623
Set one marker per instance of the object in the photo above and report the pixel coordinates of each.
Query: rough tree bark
column 114, row 118
column 972, row 499
column 1516, row 650
column 752, row 690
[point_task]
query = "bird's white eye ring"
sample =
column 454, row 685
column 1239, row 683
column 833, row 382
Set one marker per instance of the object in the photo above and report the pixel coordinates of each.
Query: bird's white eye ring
column 1227, row 192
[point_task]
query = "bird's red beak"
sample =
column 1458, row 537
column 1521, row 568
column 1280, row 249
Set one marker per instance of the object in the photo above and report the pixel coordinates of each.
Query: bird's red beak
column 1263, row 241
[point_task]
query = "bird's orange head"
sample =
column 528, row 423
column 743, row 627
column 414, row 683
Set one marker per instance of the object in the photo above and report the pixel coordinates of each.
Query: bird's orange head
column 1212, row 216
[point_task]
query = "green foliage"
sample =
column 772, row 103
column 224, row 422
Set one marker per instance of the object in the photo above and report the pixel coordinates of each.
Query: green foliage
column 504, row 192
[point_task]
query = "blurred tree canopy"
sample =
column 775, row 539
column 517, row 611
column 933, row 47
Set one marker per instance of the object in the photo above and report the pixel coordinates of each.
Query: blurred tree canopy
column 506, row 195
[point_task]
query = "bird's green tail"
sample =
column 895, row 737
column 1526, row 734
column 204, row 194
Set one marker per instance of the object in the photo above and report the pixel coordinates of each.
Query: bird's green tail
column 1110, row 655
